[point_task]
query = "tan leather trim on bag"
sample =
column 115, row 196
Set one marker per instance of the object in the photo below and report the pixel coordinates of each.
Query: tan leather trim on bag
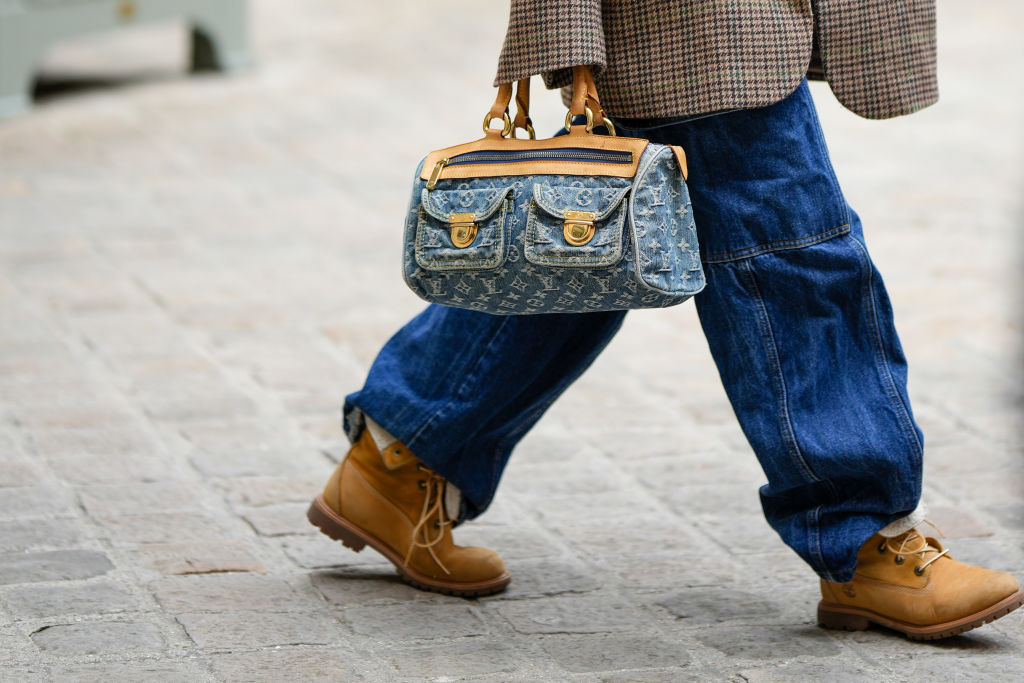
column 681, row 158
column 599, row 142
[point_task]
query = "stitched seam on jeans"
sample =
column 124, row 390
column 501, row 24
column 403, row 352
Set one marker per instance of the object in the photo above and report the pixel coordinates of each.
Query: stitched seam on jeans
column 777, row 245
column 814, row 542
column 775, row 367
column 881, row 358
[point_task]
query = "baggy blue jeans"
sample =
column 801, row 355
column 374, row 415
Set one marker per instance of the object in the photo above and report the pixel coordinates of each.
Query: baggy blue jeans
column 796, row 317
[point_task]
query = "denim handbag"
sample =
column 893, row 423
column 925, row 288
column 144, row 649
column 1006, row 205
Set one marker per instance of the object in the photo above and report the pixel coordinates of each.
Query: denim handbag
column 579, row 222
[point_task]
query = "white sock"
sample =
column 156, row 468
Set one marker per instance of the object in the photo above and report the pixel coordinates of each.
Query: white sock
column 907, row 523
column 452, row 500
column 381, row 437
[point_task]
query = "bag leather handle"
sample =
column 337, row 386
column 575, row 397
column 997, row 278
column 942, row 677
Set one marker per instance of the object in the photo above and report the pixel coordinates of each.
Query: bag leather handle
column 522, row 119
column 499, row 110
column 584, row 98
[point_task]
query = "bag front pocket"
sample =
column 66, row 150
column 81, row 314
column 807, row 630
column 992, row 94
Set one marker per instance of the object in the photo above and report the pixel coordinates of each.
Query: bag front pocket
column 462, row 229
column 575, row 225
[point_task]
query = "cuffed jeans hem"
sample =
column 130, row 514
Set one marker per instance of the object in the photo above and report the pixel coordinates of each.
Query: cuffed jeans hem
column 822, row 556
column 354, row 421
column 844, row 573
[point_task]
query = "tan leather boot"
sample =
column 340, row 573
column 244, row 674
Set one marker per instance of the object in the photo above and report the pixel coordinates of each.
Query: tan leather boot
column 909, row 583
column 395, row 504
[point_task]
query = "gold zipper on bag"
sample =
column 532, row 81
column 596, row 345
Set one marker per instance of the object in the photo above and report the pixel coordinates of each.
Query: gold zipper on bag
column 435, row 175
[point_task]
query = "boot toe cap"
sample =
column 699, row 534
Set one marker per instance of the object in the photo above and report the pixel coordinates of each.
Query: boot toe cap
column 1001, row 585
column 973, row 589
column 478, row 564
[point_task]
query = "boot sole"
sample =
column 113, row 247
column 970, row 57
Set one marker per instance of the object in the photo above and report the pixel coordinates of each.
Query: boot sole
column 351, row 536
column 831, row 615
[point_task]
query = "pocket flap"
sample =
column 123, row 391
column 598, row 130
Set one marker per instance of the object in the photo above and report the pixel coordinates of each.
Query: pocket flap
column 441, row 204
column 548, row 231
column 557, row 199
column 462, row 229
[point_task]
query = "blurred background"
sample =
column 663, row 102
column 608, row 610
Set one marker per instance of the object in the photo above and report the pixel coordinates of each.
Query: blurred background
column 196, row 267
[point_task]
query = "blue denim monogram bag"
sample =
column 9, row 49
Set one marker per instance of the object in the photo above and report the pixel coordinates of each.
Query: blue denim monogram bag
column 580, row 222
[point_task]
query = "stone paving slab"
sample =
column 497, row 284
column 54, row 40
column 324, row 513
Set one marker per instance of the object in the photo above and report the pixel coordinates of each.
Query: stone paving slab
column 193, row 272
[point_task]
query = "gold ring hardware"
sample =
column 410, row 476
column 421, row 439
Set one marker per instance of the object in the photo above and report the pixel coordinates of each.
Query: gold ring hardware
column 590, row 121
column 609, row 125
column 579, row 227
column 463, row 229
column 505, row 130
column 529, row 129
column 590, row 118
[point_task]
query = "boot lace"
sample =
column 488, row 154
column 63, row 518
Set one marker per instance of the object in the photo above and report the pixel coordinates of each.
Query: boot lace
column 433, row 506
column 906, row 547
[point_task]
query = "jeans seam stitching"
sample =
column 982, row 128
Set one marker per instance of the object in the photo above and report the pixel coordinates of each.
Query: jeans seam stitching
column 777, row 245
column 881, row 358
column 768, row 337
column 814, row 542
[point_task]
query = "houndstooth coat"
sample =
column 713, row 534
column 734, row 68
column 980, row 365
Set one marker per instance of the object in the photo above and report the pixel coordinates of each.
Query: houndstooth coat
column 657, row 58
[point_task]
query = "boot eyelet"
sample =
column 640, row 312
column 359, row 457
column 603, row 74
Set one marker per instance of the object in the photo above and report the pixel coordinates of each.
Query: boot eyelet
column 881, row 547
column 899, row 559
column 919, row 570
column 437, row 524
column 419, row 467
column 422, row 483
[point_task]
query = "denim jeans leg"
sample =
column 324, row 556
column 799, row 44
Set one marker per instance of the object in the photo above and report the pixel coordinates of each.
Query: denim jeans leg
column 800, row 326
column 806, row 348
column 460, row 388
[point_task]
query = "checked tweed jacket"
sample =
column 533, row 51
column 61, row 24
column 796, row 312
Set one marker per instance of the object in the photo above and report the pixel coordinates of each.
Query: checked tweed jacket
column 668, row 58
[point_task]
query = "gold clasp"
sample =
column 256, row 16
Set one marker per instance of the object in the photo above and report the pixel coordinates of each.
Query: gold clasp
column 579, row 227
column 463, row 228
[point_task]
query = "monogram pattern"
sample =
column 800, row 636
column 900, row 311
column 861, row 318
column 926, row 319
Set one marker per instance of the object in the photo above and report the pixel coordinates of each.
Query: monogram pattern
column 643, row 253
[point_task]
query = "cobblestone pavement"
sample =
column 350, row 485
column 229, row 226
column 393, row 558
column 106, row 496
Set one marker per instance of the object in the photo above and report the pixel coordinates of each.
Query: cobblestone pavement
column 195, row 270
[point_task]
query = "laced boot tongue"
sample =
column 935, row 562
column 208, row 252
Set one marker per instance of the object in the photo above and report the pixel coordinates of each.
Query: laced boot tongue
column 910, row 542
column 913, row 544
